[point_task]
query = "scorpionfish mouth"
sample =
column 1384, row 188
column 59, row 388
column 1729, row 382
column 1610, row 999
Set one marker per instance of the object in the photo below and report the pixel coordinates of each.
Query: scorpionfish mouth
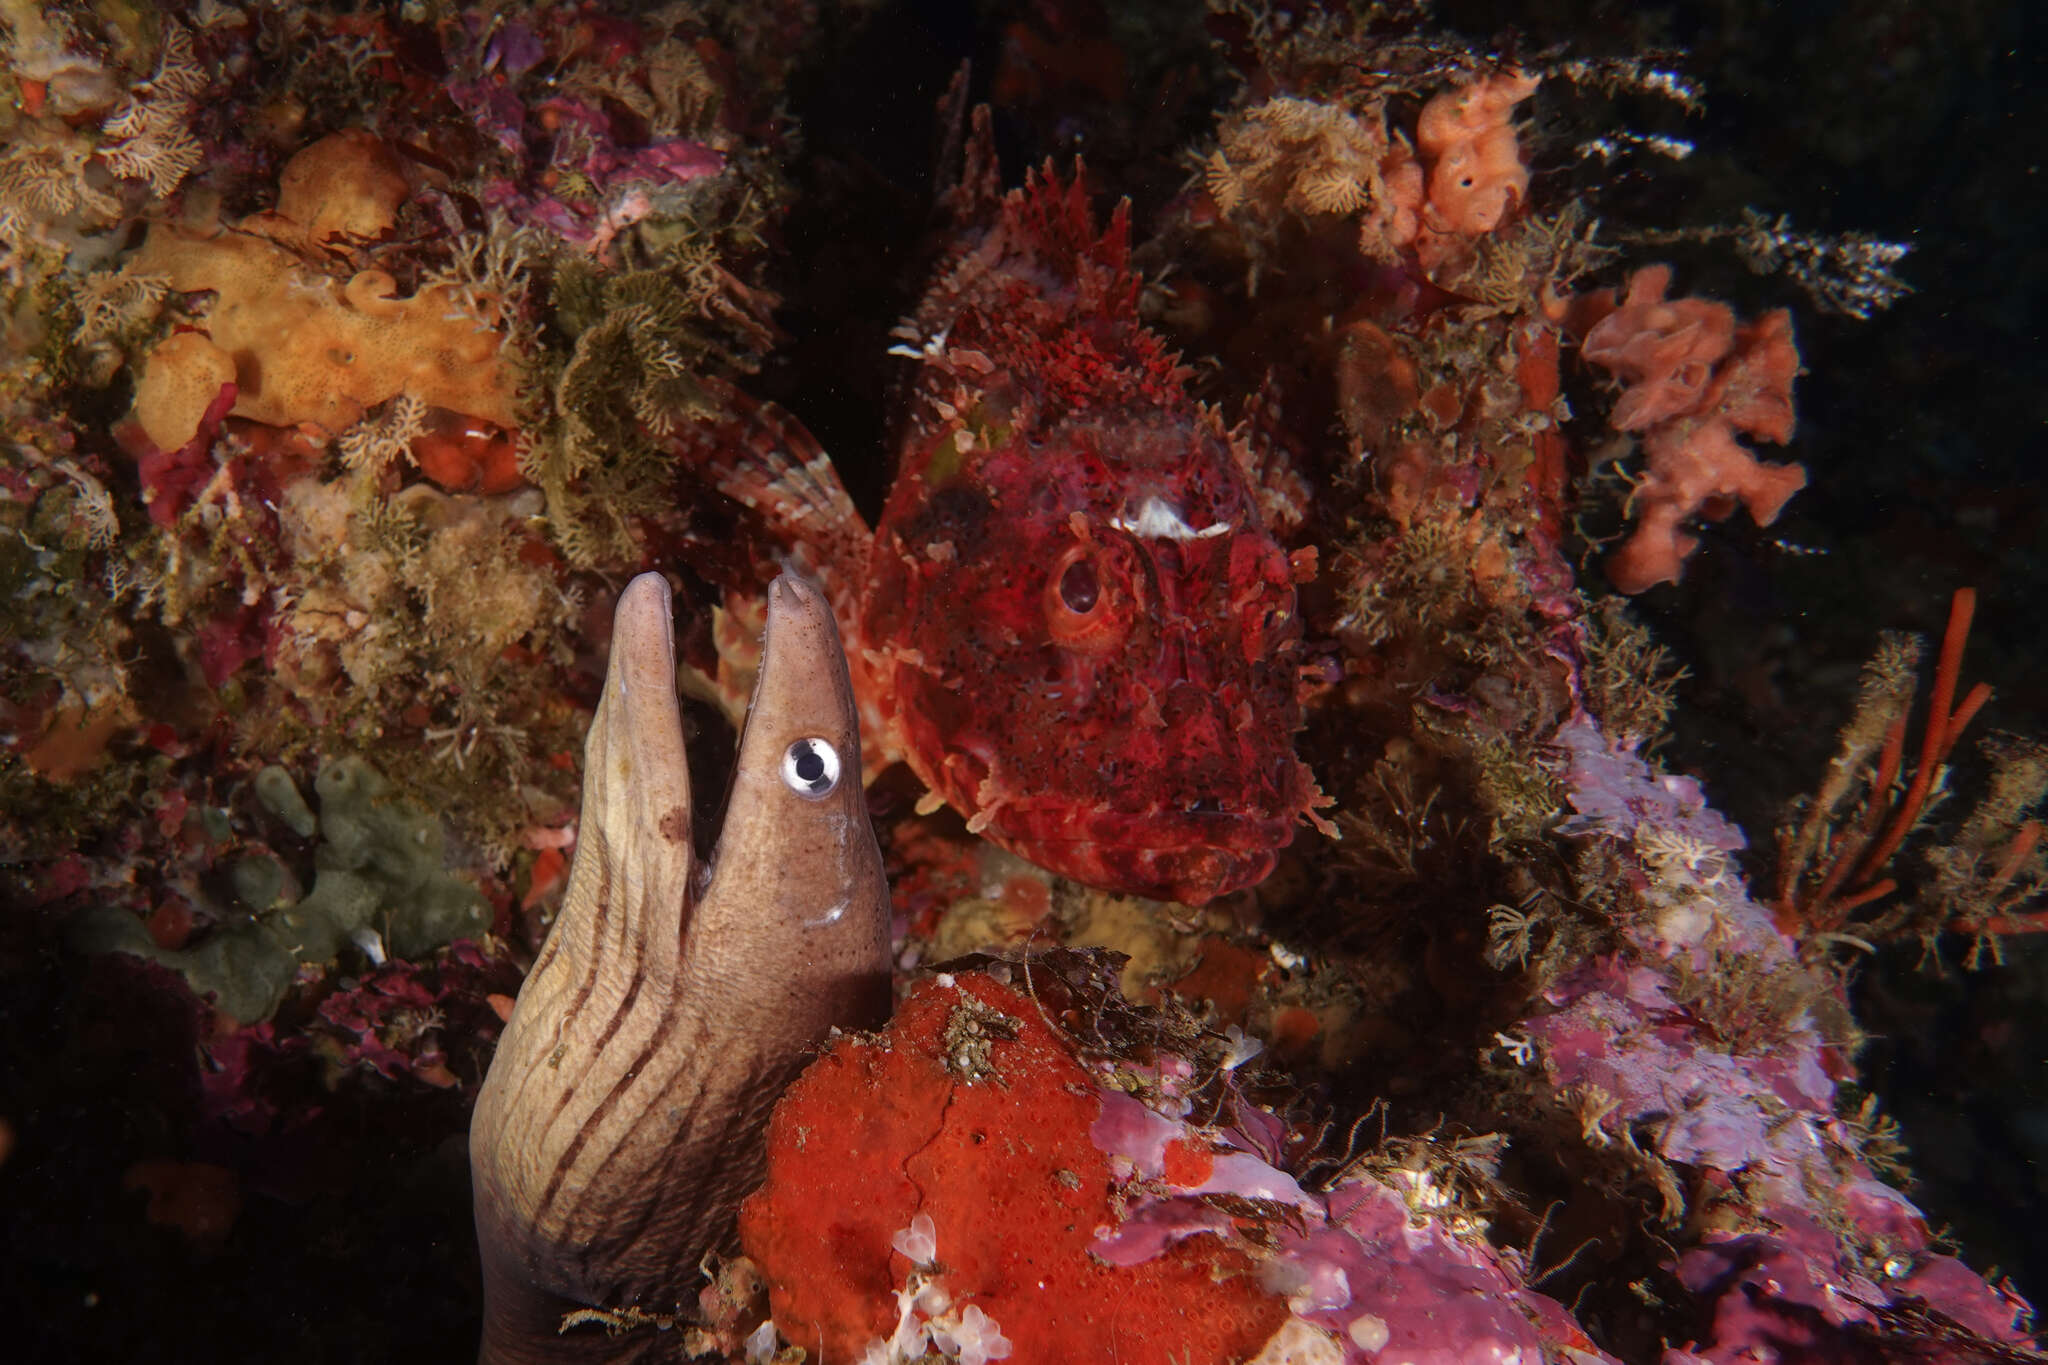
column 1187, row 858
column 1190, row 852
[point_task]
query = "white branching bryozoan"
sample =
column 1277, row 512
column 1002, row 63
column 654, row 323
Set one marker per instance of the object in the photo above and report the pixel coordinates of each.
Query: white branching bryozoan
column 150, row 137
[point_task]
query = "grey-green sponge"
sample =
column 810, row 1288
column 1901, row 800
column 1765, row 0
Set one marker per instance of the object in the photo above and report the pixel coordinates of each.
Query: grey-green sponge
column 378, row 865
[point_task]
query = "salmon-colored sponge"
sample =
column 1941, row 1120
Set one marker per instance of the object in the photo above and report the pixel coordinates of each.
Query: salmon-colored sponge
column 971, row 1110
column 1468, row 137
column 1693, row 380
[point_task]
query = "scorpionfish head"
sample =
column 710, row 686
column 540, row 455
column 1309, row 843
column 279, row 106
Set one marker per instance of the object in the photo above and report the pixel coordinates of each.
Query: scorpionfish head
column 1089, row 637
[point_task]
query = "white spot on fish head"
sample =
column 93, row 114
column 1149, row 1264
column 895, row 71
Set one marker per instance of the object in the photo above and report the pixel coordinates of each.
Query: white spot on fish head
column 1158, row 519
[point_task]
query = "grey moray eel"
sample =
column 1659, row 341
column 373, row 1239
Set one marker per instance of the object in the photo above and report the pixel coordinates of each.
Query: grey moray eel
column 621, row 1122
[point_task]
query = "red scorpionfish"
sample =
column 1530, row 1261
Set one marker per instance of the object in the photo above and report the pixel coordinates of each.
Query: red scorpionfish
column 1073, row 622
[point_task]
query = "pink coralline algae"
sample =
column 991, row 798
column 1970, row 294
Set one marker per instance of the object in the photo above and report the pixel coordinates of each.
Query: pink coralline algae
column 1371, row 1270
column 562, row 141
column 171, row 479
column 401, row 1022
column 1811, row 1256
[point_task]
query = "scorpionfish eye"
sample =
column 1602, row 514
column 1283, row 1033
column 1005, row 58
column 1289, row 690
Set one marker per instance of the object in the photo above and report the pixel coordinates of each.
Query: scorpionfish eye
column 1086, row 601
column 1080, row 589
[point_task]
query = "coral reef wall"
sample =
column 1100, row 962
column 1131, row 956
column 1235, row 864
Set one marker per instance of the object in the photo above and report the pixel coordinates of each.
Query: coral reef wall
column 1580, row 420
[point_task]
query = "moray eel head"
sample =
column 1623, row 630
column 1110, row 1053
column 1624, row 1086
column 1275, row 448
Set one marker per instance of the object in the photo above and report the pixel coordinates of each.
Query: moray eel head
column 620, row 1124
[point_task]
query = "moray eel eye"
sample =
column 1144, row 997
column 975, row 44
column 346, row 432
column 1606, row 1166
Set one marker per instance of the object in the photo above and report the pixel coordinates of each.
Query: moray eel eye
column 810, row 768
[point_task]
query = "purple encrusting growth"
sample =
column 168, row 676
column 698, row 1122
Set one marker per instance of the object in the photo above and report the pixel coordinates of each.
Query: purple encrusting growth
column 1812, row 1254
column 571, row 137
column 1370, row 1271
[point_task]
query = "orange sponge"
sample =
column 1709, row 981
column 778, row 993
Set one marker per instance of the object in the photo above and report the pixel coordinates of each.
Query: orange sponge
column 344, row 188
column 305, row 347
column 184, row 375
column 971, row 1111
column 1475, row 165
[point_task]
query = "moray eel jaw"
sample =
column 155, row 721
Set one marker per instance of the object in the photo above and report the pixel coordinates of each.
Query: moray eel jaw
column 620, row 1124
